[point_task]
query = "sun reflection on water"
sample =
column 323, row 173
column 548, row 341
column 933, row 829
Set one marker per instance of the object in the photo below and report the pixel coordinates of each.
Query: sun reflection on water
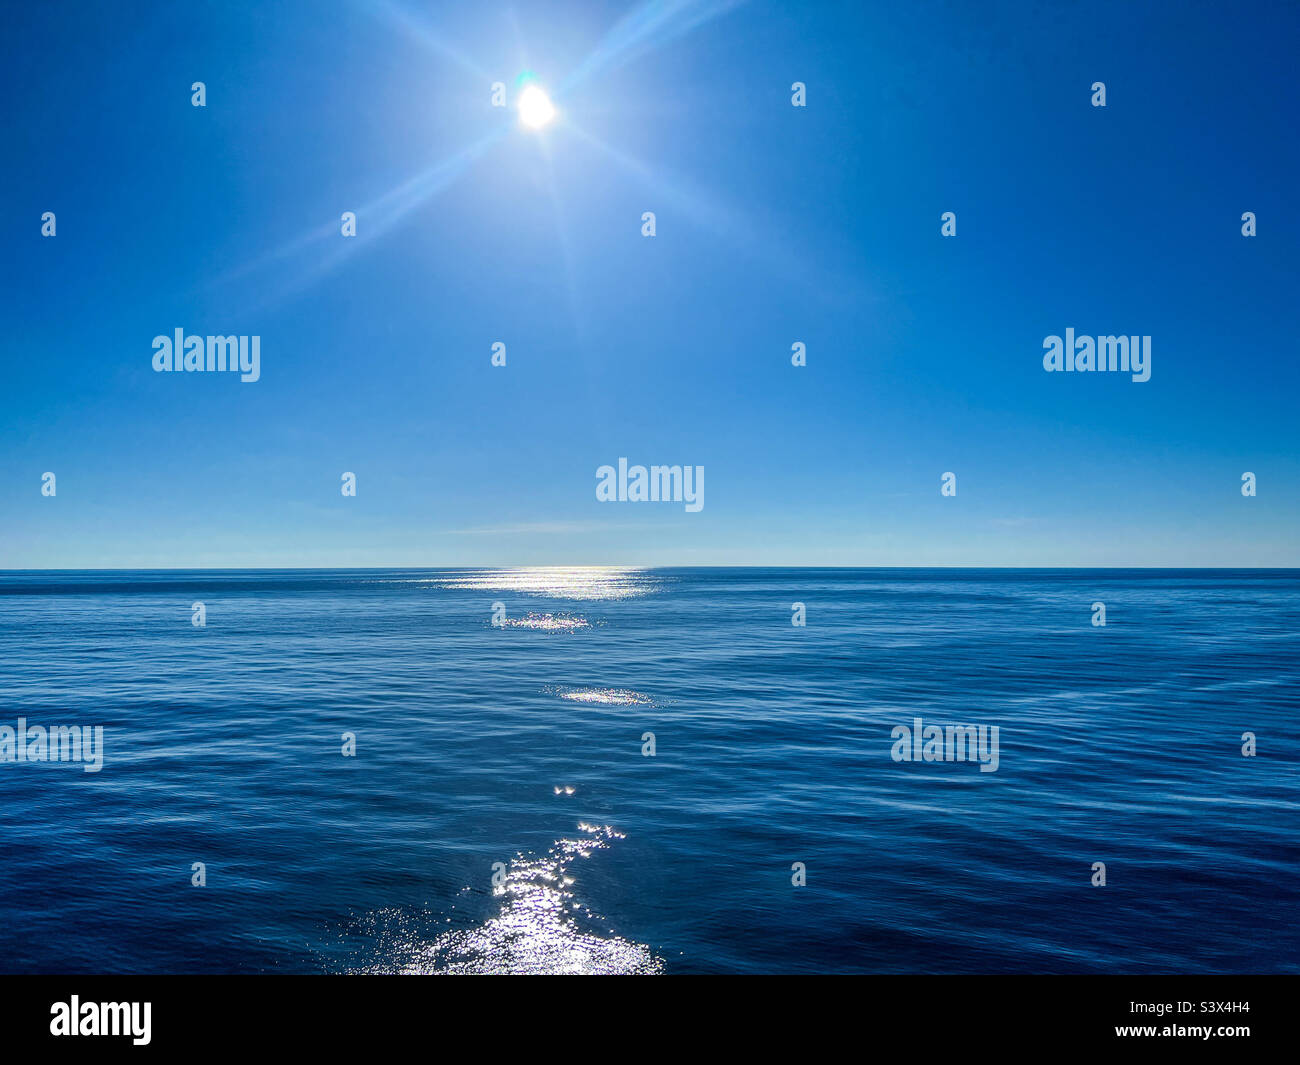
column 558, row 582
column 547, row 622
column 604, row 696
column 537, row 932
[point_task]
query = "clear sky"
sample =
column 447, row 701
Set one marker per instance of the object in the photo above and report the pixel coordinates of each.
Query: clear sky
column 774, row 224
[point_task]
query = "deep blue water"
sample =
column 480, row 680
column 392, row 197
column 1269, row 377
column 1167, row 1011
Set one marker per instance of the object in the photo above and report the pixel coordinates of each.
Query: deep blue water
column 522, row 744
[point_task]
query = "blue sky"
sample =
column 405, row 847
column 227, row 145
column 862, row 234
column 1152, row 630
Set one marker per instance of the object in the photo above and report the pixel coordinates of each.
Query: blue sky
column 775, row 224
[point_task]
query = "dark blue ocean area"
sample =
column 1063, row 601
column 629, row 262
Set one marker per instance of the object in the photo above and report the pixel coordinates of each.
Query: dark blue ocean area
column 650, row 771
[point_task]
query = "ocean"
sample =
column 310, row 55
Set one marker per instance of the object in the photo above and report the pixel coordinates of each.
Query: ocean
column 651, row 771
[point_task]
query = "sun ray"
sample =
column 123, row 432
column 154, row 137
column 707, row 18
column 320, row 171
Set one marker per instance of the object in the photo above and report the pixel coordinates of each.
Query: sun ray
column 414, row 27
column 648, row 27
column 736, row 228
column 566, row 247
column 374, row 219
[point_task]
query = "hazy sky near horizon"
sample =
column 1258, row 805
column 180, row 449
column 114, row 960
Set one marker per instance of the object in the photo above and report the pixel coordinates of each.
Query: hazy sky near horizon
column 774, row 224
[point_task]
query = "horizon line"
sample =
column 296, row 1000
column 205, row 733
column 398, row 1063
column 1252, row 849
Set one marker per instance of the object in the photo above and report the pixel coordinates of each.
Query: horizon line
column 613, row 566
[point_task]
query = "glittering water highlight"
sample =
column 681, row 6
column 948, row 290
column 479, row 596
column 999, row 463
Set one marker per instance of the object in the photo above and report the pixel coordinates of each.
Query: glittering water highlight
column 540, row 929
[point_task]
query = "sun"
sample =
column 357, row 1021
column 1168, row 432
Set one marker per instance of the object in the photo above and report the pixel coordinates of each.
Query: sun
column 535, row 107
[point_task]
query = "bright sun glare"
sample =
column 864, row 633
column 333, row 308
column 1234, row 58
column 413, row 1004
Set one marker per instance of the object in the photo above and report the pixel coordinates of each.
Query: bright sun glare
column 535, row 108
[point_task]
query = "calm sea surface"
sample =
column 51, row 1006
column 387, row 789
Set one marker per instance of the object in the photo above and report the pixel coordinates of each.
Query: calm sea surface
column 522, row 744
